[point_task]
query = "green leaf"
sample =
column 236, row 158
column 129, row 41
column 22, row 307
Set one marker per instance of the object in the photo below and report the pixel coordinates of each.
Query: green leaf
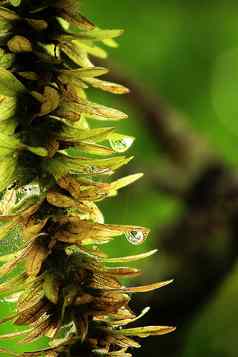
column 7, row 107
column 5, row 28
column 145, row 288
column 100, row 35
column 76, row 54
column 132, row 258
column 13, row 335
column 94, row 165
column 74, row 135
column 8, row 168
column 110, row 43
column 6, row 59
column 60, row 165
column 147, row 331
column 51, row 287
column 84, row 232
column 125, row 181
column 5, row 230
column 14, row 283
column 75, row 76
column 84, row 45
column 40, row 151
column 81, row 73
column 9, row 144
column 107, row 86
column 88, row 148
column 72, row 111
column 131, row 319
column 32, row 76
column 8, row 126
column 71, row 13
column 15, row 2
column 9, row 85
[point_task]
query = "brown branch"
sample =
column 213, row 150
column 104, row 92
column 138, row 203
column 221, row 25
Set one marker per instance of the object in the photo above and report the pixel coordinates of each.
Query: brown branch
column 174, row 137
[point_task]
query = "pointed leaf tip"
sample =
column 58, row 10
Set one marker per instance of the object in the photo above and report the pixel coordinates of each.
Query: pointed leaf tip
column 10, row 86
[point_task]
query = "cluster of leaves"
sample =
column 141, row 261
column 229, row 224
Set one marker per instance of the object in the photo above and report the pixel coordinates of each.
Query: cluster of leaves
column 54, row 168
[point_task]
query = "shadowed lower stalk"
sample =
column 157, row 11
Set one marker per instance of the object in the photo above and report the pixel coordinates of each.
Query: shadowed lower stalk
column 54, row 168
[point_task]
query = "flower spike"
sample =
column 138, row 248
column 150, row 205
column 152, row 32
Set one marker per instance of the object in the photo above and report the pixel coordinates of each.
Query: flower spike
column 54, row 168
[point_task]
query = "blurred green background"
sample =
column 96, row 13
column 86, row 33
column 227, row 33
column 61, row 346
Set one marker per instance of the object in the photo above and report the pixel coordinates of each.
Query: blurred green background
column 185, row 52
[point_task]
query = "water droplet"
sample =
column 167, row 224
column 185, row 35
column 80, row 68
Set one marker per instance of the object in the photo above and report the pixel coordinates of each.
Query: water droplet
column 135, row 237
column 16, row 199
column 121, row 143
column 94, row 170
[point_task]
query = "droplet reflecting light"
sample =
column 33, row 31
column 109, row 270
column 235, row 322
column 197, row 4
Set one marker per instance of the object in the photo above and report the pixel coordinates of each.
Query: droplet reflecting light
column 135, row 237
column 121, row 143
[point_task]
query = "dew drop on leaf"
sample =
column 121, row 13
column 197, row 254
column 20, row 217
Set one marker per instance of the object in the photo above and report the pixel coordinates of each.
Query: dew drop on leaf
column 94, row 170
column 15, row 200
column 135, row 237
column 121, row 143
